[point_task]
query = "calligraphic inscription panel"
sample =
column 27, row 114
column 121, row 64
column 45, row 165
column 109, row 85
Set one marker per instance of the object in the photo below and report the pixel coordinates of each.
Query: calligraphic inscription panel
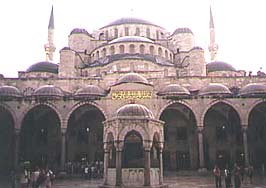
column 118, row 95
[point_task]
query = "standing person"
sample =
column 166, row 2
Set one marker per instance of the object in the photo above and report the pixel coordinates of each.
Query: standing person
column 217, row 175
column 250, row 173
column 227, row 174
column 23, row 179
column 242, row 173
column 237, row 181
column 34, row 176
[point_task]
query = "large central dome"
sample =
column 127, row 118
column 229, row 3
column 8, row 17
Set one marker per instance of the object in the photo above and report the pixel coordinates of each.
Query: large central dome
column 129, row 21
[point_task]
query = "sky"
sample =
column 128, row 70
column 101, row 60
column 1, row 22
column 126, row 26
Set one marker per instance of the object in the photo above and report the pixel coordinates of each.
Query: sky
column 240, row 26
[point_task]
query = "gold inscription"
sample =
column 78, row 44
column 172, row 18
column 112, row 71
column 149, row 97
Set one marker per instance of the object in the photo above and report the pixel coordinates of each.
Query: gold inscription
column 116, row 95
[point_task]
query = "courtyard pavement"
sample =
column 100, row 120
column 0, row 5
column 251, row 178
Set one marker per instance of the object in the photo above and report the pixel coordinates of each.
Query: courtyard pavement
column 174, row 181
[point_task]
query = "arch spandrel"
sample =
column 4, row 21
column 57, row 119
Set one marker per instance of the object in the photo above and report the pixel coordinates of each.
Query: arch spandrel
column 12, row 113
column 80, row 104
column 251, row 107
column 213, row 103
column 186, row 104
column 49, row 105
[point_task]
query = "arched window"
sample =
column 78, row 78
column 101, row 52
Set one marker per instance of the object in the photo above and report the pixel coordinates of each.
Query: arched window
column 104, row 52
column 157, row 35
column 126, row 31
column 121, row 49
column 101, row 36
column 142, row 49
column 160, row 51
column 137, row 31
column 112, row 50
column 132, row 48
column 166, row 54
column 97, row 55
column 152, row 50
column 148, row 32
column 116, row 32
column 171, row 57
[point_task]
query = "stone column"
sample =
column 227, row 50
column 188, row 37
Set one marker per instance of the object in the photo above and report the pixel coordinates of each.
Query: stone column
column 161, row 163
column 147, row 162
column 201, row 149
column 63, row 149
column 245, row 142
column 106, row 163
column 16, row 148
column 119, row 144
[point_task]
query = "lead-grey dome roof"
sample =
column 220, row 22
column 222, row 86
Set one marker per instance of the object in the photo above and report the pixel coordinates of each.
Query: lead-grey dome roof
column 43, row 66
column 219, row 66
column 136, row 110
column 173, row 90
column 132, row 78
column 129, row 20
column 79, row 31
column 49, row 91
column 182, row 30
column 89, row 91
column 131, row 39
column 253, row 89
column 215, row 89
column 9, row 92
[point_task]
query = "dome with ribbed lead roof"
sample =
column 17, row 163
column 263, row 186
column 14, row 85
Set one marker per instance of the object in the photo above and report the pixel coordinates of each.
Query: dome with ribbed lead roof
column 253, row 89
column 134, row 110
column 215, row 89
column 132, row 78
column 7, row 92
column 172, row 90
column 48, row 91
column 89, row 91
column 43, row 66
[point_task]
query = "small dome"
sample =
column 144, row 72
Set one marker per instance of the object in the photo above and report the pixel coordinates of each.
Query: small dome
column 253, row 89
column 173, row 90
column 79, row 31
column 136, row 110
column 215, row 89
column 43, row 67
column 128, row 21
column 10, row 91
column 48, row 91
column 182, row 30
column 89, row 91
column 219, row 66
column 131, row 39
column 132, row 78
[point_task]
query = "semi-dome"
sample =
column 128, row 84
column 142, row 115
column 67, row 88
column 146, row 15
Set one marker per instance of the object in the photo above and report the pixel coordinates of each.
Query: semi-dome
column 131, row 39
column 122, row 21
column 215, row 89
column 173, row 90
column 79, row 31
column 219, row 66
column 253, row 89
column 43, row 66
column 132, row 78
column 182, row 30
column 136, row 110
column 49, row 91
column 9, row 92
column 89, row 91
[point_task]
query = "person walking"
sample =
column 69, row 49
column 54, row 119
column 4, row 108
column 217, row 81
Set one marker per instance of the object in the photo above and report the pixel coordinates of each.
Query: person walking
column 237, row 181
column 217, row 175
column 250, row 173
column 227, row 178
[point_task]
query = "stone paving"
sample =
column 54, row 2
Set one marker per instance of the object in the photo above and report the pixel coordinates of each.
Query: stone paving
column 173, row 181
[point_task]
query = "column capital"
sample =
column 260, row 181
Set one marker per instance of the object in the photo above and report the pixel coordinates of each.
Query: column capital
column 200, row 129
column 147, row 144
column 63, row 130
column 119, row 145
column 244, row 128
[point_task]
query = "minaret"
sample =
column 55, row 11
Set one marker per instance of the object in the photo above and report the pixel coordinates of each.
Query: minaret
column 213, row 47
column 50, row 47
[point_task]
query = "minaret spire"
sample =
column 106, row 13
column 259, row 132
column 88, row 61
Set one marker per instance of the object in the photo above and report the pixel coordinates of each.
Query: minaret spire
column 213, row 47
column 50, row 47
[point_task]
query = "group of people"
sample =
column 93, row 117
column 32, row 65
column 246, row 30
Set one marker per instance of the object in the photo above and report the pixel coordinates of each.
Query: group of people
column 237, row 172
column 37, row 178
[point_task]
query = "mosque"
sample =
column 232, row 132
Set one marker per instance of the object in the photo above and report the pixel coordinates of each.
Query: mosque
column 137, row 97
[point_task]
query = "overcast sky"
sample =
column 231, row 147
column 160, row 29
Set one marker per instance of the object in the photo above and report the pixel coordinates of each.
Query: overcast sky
column 240, row 26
